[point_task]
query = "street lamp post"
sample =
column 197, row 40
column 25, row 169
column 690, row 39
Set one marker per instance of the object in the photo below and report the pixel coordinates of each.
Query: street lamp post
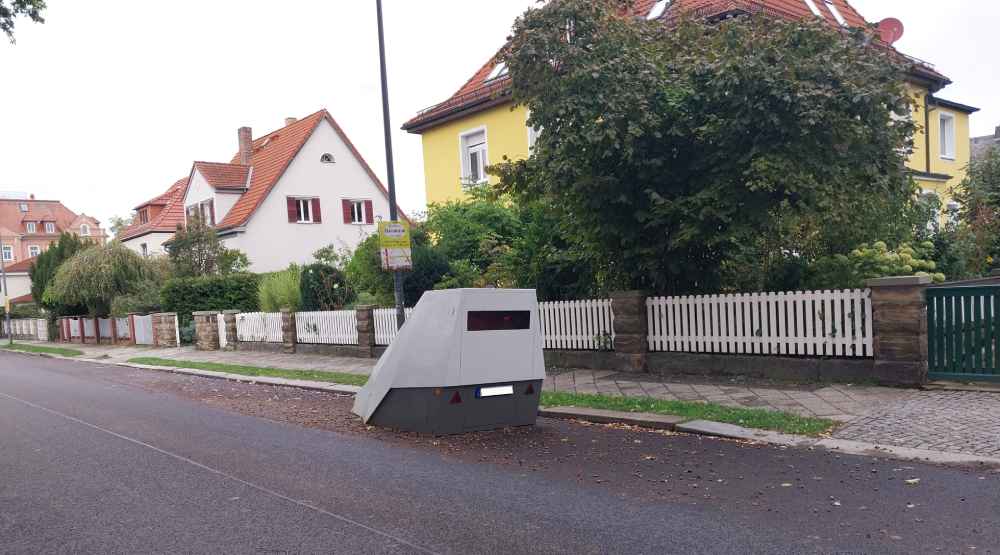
column 397, row 275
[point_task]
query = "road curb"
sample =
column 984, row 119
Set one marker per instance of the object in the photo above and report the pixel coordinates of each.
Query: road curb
column 601, row 416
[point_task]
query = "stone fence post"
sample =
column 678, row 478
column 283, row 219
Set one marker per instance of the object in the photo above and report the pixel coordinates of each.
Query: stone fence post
column 366, row 330
column 899, row 328
column 288, row 331
column 229, row 317
column 206, row 330
column 165, row 329
column 631, row 329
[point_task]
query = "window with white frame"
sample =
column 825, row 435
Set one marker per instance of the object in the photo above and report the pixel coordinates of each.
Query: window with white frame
column 498, row 71
column 23, row 207
column 358, row 212
column 34, row 250
column 474, row 156
column 8, row 253
column 50, row 227
column 84, row 230
column 31, row 227
column 303, row 210
column 947, row 131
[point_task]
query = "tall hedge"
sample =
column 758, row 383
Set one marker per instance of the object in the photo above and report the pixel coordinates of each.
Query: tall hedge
column 229, row 292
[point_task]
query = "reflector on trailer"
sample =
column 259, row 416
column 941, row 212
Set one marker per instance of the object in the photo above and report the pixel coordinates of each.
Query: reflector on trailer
column 458, row 364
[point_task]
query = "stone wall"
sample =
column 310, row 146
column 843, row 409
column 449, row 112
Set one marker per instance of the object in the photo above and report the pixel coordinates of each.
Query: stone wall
column 206, row 330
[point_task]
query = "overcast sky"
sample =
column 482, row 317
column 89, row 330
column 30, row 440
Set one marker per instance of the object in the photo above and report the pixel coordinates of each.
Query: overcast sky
column 109, row 102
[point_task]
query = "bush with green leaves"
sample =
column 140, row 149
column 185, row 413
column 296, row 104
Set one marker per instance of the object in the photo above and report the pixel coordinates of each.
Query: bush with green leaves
column 280, row 290
column 192, row 294
column 324, row 287
column 874, row 261
column 44, row 269
column 196, row 250
column 96, row 276
column 365, row 274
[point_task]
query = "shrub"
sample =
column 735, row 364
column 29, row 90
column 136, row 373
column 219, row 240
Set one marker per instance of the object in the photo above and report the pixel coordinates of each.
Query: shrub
column 229, row 292
column 324, row 287
column 365, row 274
column 96, row 276
column 280, row 290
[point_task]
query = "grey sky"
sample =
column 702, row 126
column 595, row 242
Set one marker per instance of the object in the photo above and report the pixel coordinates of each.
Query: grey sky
column 109, row 102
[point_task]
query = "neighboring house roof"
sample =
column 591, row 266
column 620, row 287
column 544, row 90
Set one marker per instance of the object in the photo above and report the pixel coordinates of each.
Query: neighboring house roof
column 224, row 176
column 12, row 218
column 23, row 299
column 169, row 217
column 272, row 153
column 981, row 144
column 21, row 267
column 481, row 92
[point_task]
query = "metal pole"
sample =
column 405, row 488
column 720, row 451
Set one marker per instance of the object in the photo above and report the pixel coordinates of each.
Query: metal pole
column 6, row 292
column 397, row 276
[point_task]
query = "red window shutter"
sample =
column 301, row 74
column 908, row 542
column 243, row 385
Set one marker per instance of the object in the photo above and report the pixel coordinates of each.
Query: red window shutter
column 369, row 212
column 293, row 212
column 346, row 204
column 317, row 214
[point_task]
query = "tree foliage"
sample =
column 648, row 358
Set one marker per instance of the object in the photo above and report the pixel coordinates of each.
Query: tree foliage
column 11, row 9
column 97, row 275
column 364, row 269
column 280, row 290
column 978, row 229
column 196, row 250
column 43, row 271
column 229, row 292
column 666, row 151
column 324, row 287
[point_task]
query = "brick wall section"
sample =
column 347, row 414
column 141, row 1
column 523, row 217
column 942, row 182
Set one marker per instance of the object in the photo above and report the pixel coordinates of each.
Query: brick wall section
column 631, row 329
column 899, row 327
column 229, row 316
column 288, row 333
column 366, row 330
column 165, row 329
column 206, row 330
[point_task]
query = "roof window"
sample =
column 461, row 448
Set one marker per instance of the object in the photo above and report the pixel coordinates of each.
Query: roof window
column 836, row 12
column 657, row 10
column 815, row 9
column 23, row 207
column 499, row 70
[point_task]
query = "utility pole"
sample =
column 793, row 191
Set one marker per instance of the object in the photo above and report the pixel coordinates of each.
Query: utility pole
column 6, row 292
column 397, row 275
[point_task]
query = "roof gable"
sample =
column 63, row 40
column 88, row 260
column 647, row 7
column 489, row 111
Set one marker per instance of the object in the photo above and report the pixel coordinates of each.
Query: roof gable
column 224, row 176
column 169, row 217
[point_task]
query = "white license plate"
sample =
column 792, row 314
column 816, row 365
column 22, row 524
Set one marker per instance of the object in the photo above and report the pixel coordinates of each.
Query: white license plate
column 496, row 391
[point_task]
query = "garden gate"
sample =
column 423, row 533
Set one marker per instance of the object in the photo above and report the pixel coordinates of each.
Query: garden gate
column 963, row 330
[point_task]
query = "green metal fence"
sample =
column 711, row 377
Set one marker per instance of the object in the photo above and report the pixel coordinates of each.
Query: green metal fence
column 963, row 325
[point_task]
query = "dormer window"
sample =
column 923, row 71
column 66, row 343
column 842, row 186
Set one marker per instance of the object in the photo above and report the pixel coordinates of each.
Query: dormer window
column 498, row 71
column 50, row 228
column 31, row 227
column 144, row 216
column 23, row 207
column 657, row 10
column 327, row 158
column 84, row 230
column 830, row 5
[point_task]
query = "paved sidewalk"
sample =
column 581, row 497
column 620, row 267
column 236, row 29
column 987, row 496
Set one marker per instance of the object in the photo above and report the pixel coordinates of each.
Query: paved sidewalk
column 953, row 421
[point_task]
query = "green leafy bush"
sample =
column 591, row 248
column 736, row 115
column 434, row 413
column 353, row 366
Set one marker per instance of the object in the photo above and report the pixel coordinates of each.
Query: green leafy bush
column 875, row 261
column 365, row 274
column 96, row 276
column 191, row 294
column 281, row 290
column 324, row 287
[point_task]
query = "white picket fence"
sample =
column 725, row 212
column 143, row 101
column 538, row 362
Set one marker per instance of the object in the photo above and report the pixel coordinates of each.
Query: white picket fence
column 809, row 323
column 337, row 327
column 223, row 336
column 385, row 324
column 143, row 329
column 259, row 327
column 27, row 328
column 580, row 325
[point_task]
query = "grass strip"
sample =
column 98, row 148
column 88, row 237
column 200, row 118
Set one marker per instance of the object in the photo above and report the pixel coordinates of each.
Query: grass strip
column 760, row 419
column 43, row 349
column 256, row 371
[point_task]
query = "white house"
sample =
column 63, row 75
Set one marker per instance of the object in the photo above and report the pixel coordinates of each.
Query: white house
column 285, row 195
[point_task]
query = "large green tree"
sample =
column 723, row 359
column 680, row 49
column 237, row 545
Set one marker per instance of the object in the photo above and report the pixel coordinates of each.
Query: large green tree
column 196, row 250
column 11, row 9
column 44, row 269
column 97, row 275
column 365, row 274
column 667, row 150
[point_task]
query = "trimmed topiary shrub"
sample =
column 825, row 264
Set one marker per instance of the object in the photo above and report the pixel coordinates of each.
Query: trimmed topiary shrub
column 324, row 287
column 230, row 292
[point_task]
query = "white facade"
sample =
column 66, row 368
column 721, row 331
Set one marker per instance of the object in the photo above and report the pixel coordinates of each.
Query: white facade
column 19, row 284
column 271, row 242
column 153, row 243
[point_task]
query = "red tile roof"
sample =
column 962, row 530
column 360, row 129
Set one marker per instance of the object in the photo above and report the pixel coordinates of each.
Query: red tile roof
column 23, row 299
column 12, row 218
column 22, row 266
column 171, row 214
column 224, row 176
column 478, row 92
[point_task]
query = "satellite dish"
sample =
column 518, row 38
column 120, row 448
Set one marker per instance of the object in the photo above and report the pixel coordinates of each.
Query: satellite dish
column 890, row 29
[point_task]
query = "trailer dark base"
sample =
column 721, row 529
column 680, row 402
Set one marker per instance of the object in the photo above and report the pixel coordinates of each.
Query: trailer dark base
column 455, row 410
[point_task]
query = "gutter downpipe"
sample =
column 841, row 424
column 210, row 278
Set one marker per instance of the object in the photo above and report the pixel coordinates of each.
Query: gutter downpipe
column 927, row 133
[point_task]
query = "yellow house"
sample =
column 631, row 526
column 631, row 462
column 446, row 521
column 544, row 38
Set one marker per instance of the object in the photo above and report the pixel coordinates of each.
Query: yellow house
column 479, row 124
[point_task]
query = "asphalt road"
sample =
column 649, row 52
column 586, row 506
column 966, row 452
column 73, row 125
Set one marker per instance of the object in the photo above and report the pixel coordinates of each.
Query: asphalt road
column 89, row 464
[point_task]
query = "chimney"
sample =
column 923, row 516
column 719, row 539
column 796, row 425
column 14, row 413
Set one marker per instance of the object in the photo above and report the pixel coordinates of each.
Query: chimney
column 246, row 145
column 32, row 195
column 997, row 132
column 289, row 121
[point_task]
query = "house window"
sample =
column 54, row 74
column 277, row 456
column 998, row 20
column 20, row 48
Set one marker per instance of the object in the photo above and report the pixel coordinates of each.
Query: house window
column 8, row 253
column 34, row 250
column 23, row 207
column 947, row 122
column 658, row 8
column 303, row 210
column 814, row 8
column 836, row 13
column 144, row 249
column 50, row 228
column 953, row 212
column 498, row 70
column 204, row 210
column 143, row 216
column 357, row 212
column 327, row 158
column 474, row 156
column 84, row 230
column 32, row 227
